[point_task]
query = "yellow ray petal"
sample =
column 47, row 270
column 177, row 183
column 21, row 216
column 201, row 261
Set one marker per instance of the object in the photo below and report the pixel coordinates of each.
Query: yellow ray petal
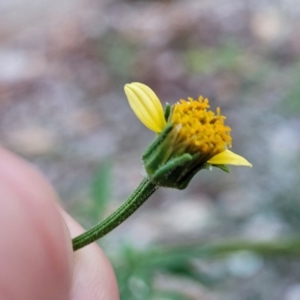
column 227, row 157
column 146, row 106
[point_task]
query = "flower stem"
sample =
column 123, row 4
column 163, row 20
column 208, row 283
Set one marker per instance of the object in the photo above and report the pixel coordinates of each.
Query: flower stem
column 135, row 200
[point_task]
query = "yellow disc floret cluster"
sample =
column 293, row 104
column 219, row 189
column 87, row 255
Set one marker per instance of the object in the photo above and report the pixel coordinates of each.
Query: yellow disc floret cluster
column 200, row 129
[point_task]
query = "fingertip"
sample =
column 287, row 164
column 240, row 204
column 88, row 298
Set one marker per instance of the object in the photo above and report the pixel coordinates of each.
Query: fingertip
column 93, row 275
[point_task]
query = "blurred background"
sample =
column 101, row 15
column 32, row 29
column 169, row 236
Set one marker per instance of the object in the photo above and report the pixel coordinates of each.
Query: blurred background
column 63, row 65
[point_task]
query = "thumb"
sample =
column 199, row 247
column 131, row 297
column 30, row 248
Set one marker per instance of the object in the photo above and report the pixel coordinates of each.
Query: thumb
column 35, row 249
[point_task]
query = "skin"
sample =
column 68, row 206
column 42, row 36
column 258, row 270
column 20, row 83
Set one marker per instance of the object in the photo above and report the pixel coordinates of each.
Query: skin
column 36, row 257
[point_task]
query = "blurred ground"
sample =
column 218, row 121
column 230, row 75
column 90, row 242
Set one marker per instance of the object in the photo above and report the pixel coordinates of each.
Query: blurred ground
column 62, row 69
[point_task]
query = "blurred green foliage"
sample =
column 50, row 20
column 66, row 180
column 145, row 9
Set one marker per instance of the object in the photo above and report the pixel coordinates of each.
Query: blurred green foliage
column 92, row 211
column 137, row 270
column 210, row 60
column 291, row 104
column 117, row 55
column 100, row 190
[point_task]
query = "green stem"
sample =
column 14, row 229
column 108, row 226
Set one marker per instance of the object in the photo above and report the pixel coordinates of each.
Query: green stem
column 135, row 200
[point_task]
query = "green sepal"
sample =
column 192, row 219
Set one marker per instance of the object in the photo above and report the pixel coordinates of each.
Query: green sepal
column 158, row 140
column 168, row 174
column 186, row 180
column 167, row 111
column 224, row 168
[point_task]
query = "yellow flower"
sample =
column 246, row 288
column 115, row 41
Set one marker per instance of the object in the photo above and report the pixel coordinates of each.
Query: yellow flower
column 196, row 130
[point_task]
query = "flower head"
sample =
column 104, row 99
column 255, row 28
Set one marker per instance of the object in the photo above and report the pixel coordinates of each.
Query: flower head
column 190, row 136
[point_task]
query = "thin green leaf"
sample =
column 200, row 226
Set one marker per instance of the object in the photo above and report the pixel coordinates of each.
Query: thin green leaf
column 100, row 190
